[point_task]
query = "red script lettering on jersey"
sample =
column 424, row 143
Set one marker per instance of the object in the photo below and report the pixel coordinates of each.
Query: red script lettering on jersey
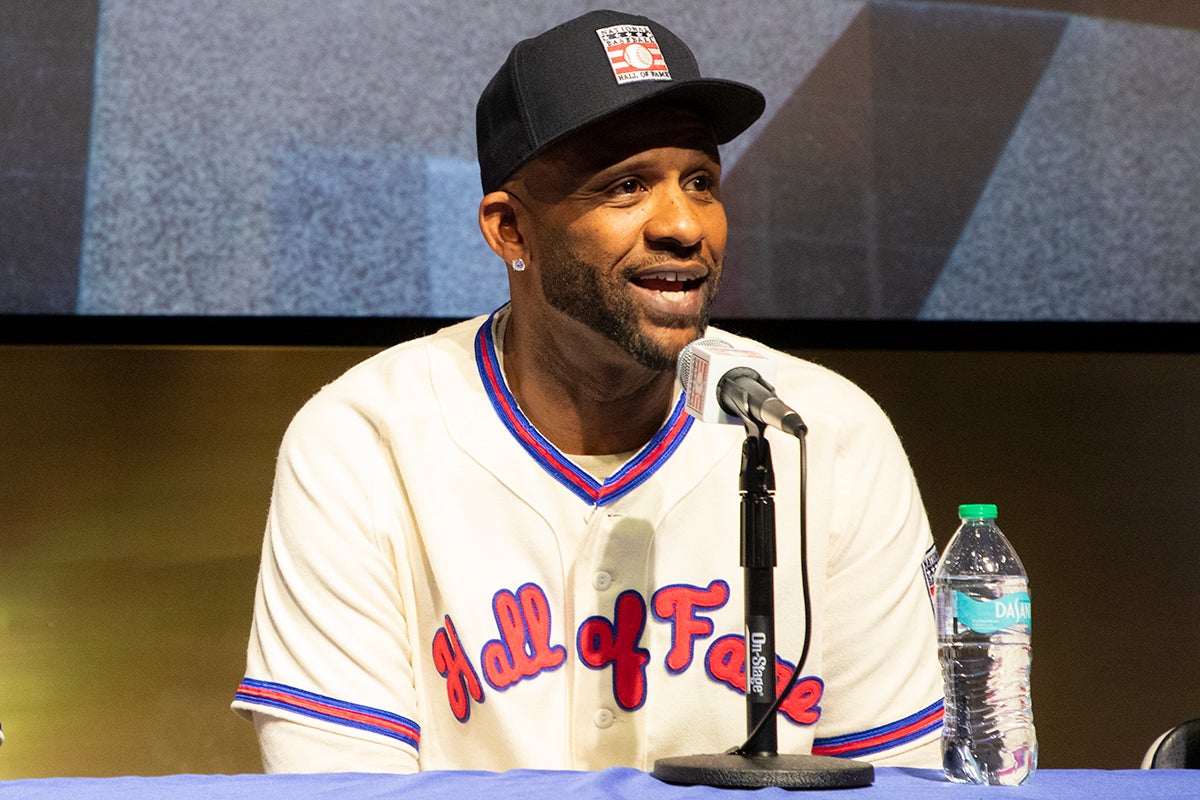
column 677, row 605
column 462, row 682
column 523, row 649
column 604, row 642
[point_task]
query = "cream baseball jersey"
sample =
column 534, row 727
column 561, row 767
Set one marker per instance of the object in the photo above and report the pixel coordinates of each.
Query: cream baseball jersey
column 441, row 588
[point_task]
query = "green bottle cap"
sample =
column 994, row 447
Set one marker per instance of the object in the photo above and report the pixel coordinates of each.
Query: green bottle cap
column 977, row 511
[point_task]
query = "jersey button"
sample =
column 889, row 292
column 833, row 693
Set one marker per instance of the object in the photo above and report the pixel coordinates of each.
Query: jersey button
column 603, row 718
column 602, row 580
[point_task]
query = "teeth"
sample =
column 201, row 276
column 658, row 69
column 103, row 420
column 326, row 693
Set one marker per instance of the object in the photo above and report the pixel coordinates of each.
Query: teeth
column 674, row 296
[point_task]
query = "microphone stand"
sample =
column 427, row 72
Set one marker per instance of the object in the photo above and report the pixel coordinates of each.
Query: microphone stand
column 757, row 763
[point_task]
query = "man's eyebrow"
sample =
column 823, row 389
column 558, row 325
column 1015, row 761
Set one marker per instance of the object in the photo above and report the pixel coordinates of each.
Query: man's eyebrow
column 643, row 162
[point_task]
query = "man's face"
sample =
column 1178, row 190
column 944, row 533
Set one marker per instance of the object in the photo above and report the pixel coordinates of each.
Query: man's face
column 628, row 231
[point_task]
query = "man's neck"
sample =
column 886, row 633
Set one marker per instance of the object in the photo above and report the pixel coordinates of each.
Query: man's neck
column 583, row 404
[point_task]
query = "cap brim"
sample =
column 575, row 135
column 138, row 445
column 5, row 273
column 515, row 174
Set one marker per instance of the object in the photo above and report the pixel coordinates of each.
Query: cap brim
column 727, row 106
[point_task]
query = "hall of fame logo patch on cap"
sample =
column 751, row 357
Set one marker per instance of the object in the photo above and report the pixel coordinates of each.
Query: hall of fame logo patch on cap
column 633, row 54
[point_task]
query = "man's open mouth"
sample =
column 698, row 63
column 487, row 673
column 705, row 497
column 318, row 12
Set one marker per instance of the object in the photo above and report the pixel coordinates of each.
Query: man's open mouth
column 671, row 282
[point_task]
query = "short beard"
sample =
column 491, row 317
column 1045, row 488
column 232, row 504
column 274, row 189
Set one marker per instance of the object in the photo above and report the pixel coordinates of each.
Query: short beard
column 574, row 287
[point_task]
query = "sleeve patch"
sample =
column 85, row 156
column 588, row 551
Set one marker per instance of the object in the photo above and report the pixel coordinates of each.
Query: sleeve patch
column 929, row 567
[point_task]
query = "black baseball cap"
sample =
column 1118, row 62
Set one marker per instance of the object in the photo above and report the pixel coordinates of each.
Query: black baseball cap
column 587, row 69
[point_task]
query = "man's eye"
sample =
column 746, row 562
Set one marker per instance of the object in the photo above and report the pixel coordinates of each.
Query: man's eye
column 703, row 183
column 627, row 186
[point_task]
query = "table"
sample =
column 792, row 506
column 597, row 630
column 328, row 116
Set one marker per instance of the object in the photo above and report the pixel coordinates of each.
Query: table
column 891, row 783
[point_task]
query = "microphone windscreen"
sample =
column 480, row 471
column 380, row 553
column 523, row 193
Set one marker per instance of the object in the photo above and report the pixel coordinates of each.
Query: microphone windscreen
column 685, row 366
column 700, row 367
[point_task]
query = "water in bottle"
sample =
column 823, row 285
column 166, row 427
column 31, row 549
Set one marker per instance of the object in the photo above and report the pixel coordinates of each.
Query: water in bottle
column 983, row 616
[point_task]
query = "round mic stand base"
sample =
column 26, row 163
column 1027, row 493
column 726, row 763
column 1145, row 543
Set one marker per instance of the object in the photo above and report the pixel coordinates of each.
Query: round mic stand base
column 732, row 771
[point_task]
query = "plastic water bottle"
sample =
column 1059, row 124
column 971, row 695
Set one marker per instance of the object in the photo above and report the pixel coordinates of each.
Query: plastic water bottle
column 983, row 616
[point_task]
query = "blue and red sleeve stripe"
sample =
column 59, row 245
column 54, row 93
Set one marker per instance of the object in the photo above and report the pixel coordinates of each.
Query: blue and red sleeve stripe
column 328, row 709
column 885, row 737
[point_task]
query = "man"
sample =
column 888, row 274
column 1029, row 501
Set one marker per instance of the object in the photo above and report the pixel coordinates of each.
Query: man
column 507, row 545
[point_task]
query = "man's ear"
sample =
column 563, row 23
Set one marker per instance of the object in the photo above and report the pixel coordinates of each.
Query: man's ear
column 499, row 223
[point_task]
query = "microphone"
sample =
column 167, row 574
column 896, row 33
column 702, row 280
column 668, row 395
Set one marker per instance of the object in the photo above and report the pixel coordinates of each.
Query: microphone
column 727, row 385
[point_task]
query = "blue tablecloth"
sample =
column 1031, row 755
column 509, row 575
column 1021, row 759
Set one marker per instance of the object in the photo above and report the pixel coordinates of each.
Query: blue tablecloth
column 892, row 783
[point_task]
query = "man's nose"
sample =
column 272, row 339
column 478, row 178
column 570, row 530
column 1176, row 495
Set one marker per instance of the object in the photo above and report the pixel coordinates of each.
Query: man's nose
column 675, row 219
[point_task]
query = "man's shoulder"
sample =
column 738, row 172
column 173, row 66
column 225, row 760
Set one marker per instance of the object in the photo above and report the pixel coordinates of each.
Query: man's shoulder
column 398, row 377
column 812, row 388
column 791, row 367
column 410, row 359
